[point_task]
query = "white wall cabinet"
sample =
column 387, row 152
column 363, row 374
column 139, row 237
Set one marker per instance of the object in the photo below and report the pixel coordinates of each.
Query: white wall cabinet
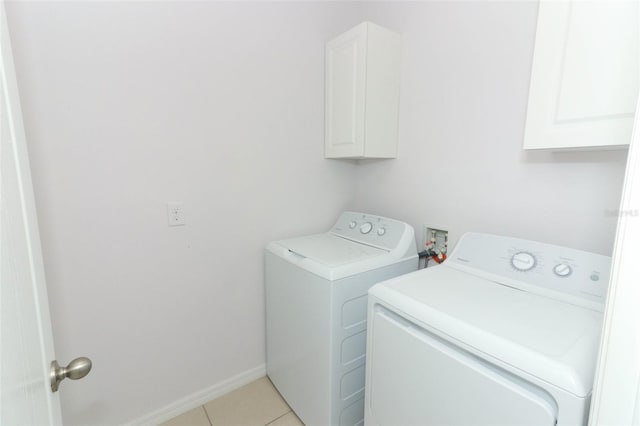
column 362, row 93
column 584, row 79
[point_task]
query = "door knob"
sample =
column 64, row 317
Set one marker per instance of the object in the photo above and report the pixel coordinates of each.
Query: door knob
column 77, row 369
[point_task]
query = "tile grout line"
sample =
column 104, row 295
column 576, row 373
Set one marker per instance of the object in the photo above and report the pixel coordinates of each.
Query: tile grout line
column 290, row 411
column 207, row 414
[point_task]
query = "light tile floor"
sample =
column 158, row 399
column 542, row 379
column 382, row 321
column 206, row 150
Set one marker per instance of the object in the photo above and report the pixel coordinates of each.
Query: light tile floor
column 255, row 404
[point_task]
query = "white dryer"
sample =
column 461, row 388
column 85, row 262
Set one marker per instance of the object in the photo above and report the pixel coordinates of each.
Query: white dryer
column 316, row 304
column 505, row 332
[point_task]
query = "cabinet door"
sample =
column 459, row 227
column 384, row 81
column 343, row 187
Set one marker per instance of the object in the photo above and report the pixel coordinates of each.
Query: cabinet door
column 584, row 80
column 345, row 94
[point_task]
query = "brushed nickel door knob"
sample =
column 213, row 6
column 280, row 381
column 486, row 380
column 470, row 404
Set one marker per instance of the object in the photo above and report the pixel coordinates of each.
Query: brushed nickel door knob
column 77, row 369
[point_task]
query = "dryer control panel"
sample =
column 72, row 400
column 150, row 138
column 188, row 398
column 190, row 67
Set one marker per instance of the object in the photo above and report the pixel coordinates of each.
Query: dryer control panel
column 566, row 274
column 376, row 231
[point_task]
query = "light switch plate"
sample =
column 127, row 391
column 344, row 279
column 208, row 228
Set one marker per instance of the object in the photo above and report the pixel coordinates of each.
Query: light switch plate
column 175, row 214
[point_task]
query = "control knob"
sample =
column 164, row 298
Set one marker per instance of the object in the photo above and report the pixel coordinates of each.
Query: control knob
column 562, row 270
column 523, row 261
column 366, row 227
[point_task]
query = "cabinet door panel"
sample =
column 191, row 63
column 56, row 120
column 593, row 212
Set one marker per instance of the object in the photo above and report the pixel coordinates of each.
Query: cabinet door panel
column 345, row 88
column 599, row 74
column 584, row 81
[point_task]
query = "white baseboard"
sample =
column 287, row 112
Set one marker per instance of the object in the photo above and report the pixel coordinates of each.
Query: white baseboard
column 198, row 398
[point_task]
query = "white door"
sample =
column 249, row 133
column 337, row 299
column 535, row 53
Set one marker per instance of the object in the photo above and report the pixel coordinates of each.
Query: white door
column 26, row 343
column 616, row 395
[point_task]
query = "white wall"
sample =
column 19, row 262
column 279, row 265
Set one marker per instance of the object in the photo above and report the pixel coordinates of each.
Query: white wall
column 464, row 88
column 129, row 105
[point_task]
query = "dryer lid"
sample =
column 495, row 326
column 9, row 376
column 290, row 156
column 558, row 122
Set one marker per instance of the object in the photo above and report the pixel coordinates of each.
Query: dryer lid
column 549, row 339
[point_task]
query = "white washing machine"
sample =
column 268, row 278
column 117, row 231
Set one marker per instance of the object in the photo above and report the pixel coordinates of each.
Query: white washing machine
column 505, row 332
column 316, row 303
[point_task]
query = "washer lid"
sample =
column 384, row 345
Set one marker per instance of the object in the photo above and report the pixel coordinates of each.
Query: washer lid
column 331, row 250
column 552, row 340
column 330, row 256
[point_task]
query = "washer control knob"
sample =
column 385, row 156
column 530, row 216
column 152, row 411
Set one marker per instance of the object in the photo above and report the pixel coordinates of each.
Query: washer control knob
column 523, row 261
column 562, row 270
column 366, row 227
column 352, row 224
column 382, row 231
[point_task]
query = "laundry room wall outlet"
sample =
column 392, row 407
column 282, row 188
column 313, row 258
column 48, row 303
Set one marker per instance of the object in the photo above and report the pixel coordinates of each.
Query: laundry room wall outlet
column 175, row 214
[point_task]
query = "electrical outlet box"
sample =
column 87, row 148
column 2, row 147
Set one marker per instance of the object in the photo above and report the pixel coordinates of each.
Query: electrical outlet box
column 175, row 214
column 441, row 236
